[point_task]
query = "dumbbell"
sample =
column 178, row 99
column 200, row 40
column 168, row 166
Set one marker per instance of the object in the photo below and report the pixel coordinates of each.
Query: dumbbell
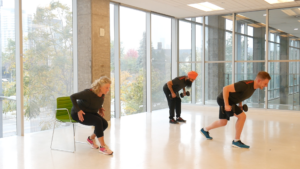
column 187, row 93
column 245, row 108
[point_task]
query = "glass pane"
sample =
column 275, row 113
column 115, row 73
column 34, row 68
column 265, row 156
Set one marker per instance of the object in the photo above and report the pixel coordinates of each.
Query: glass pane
column 133, row 61
column 184, row 68
column 199, row 42
column 250, row 35
column 217, row 75
column 284, row 34
column 248, row 71
column 161, row 59
column 199, row 19
column 112, row 61
column 285, row 84
column 198, row 84
column 218, row 42
column 48, row 61
column 185, row 38
column 8, row 69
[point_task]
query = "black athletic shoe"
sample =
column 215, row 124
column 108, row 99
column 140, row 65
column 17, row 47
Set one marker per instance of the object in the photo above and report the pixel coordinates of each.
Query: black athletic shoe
column 179, row 119
column 173, row 121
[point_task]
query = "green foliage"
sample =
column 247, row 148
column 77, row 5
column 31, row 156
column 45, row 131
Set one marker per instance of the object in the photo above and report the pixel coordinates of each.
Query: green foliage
column 47, row 69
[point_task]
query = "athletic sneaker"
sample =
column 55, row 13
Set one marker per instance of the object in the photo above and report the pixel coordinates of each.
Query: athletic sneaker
column 105, row 150
column 179, row 119
column 173, row 121
column 92, row 142
column 206, row 134
column 239, row 144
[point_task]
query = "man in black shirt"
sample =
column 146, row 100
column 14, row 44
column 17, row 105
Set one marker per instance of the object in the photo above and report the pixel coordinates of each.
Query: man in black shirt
column 172, row 88
column 235, row 94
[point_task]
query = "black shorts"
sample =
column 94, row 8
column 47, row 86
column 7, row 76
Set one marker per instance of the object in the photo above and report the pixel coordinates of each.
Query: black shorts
column 227, row 114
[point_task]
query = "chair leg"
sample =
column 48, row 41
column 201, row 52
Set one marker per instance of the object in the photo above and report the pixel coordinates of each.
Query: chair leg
column 53, row 134
column 74, row 137
column 72, row 151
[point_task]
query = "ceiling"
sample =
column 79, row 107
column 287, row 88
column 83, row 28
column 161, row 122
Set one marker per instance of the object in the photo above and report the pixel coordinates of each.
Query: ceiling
column 179, row 8
column 278, row 20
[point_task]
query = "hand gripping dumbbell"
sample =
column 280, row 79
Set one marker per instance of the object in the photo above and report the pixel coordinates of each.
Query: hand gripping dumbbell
column 245, row 108
column 177, row 95
column 187, row 93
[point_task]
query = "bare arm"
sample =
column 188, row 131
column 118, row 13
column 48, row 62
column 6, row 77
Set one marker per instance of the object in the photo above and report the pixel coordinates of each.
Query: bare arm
column 226, row 90
column 170, row 84
column 184, row 93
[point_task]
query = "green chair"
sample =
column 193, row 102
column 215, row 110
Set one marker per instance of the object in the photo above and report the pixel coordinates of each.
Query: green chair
column 63, row 115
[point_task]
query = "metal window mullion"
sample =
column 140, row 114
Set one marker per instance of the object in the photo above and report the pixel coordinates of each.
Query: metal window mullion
column 75, row 47
column 193, row 47
column 203, row 63
column 117, row 60
column 233, row 48
column 19, row 67
column 267, row 55
column 245, row 51
column 175, row 47
column 149, row 61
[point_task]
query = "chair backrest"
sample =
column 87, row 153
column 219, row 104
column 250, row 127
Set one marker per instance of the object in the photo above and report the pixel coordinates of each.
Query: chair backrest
column 63, row 102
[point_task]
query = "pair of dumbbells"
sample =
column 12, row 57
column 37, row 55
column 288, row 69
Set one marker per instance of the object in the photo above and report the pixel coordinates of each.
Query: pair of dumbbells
column 233, row 107
column 181, row 95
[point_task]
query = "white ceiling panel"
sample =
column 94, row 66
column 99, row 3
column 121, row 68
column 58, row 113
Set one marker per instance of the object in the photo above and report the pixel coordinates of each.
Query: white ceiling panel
column 179, row 8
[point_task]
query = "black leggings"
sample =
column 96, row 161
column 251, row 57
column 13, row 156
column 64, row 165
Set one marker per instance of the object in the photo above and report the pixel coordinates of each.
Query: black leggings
column 93, row 119
column 174, row 103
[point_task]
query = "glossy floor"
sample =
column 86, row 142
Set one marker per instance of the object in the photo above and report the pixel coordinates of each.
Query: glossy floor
column 148, row 141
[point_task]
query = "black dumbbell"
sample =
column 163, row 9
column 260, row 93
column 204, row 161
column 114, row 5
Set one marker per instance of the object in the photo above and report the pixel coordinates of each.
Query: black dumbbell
column 187, row 93
column 245, row 108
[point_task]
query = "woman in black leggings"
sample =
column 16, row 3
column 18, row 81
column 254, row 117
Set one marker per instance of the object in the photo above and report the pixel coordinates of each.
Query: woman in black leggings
column 87, row 109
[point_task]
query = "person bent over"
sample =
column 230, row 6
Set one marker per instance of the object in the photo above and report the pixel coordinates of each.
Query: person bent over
column 230, row 96
column 171, row 89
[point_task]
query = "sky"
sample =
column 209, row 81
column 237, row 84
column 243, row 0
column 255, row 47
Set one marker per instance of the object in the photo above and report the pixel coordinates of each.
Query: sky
column 30, row 5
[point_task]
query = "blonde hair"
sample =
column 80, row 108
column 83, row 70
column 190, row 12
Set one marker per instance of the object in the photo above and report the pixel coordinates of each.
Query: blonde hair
column 97, row 84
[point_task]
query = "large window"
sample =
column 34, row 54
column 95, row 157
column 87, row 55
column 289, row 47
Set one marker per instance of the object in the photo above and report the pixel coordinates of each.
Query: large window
column 227, row 56
column 112, row 60
column 185, row 39
column 199, row 56
column 218, row 48
column 160, row 59
column 218, row 38
column 284, row 49
column 250, row 51
column 48, row 61
column 217, row 75
column 8, row 69
column 133, row 61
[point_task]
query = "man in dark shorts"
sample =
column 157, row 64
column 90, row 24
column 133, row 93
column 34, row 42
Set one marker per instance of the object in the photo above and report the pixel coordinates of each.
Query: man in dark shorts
column 235, row 94
column 172, row 88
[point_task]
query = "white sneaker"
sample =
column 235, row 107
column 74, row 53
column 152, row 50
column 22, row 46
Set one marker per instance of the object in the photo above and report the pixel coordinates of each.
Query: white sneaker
column 105, row 150
column 92, row 143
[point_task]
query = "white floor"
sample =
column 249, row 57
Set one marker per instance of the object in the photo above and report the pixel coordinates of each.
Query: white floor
column 148, row 141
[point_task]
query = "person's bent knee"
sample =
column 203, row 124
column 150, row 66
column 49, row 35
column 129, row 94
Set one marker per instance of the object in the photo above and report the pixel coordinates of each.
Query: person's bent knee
column 105, row 124
column 242, row 116
column 223, row 122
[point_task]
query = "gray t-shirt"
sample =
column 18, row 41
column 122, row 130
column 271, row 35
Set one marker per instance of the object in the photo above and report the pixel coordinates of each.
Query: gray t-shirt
column 243, row 90
column 87, row 101
column 178, row 83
